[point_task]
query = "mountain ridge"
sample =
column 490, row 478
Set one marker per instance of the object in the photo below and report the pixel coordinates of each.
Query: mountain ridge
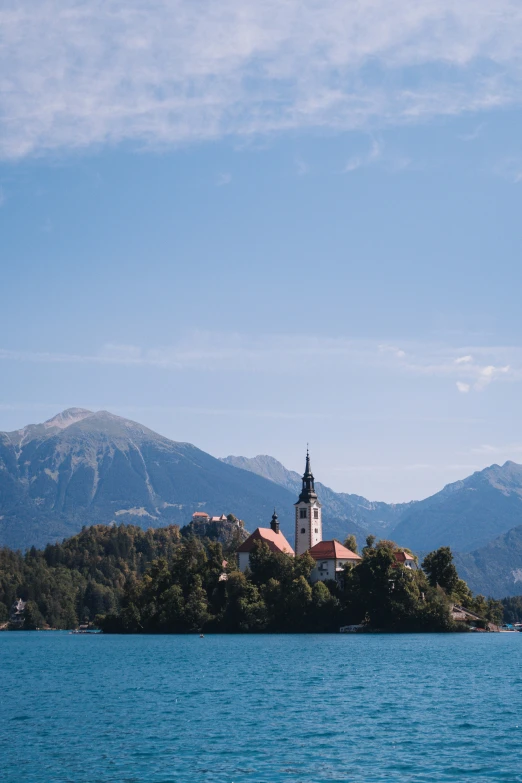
column 466, row 514
column 83, row 467
column 373, row 516
column 495, row 569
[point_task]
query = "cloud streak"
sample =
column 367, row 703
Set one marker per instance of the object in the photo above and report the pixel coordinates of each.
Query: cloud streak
column 469, row 368
column 163, row 72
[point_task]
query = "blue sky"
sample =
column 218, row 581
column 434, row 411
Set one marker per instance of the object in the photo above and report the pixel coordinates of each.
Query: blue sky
column 252, row 227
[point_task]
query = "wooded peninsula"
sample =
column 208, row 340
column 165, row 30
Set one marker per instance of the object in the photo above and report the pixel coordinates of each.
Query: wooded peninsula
column 127, row 580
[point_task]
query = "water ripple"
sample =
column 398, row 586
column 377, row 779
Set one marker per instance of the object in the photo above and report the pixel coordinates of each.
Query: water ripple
column 265, row 709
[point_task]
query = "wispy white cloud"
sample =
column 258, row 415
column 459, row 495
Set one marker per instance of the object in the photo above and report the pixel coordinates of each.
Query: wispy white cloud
column 77, row 73
column 286, row 354
column 487, row 374
column 474, row 371
column 398, row 352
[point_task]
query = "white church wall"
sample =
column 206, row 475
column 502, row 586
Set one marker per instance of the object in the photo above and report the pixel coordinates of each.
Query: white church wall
column 309, row 528
column 244, row 560
column 324, row 569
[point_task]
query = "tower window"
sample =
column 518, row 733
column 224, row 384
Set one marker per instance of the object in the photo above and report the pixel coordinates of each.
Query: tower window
column 316, row 513
column 302, row 513
column 303, row 530
column 316, row 530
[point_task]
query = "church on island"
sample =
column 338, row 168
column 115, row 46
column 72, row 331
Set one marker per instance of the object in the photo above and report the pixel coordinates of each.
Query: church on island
column 330, row 556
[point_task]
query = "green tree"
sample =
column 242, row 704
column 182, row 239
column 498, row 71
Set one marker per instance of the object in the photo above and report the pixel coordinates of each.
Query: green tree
column 196, row 614
column 351, row 543
column 172, row 609
column 370, row 541
column 512, row 609
column 265, row 565
column 495, row 611
column 245, row 609
column 325, row 609
column 438, row 566
column 371, row 584
column 33, row 618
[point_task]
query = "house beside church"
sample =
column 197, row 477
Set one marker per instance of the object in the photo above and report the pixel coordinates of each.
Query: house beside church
column 405, row 559
column 330, row 558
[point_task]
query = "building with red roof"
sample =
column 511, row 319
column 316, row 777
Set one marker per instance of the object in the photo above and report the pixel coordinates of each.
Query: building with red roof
column 330, row 558
column 199, row 516
column 271, row 536
column 405, row 559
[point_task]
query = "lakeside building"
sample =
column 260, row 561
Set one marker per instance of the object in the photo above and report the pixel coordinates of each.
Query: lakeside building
column 202, row 516
column 16, row 615
column 330, row 556
column 405, row 559
column 270, row 535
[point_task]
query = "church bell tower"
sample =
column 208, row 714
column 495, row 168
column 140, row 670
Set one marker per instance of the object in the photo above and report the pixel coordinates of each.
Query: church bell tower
column 308, row 521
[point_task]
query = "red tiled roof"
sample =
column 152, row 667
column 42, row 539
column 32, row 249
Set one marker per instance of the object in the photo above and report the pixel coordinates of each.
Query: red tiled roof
column 276, row 541
column 332, row 550
column 199, row 514
column 402, row 557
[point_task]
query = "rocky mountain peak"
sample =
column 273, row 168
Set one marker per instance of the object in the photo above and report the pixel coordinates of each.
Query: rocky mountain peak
column 67, row 417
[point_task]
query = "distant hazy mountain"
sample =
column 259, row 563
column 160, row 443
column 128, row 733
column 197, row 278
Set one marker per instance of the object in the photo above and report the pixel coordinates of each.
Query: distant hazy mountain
column 82, row 468
column 377, row 518
column 468, row 514
column 496, row 569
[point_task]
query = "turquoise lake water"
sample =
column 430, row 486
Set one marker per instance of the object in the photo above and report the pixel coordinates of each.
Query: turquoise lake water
column 266, row 709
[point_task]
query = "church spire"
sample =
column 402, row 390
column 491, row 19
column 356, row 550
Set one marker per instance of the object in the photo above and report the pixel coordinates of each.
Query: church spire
column 308, row 491
column 274, row 524
column 308, row 470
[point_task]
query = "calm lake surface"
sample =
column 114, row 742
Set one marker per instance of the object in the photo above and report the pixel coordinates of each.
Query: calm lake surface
column 228, row 709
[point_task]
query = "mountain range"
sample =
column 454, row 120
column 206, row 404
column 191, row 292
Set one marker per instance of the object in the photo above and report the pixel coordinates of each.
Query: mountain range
column 82, row 468
column 338, row 507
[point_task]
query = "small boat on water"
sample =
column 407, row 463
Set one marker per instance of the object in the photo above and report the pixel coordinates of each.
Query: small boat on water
column 85, row 629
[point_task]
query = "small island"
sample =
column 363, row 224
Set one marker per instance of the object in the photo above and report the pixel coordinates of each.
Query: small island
column 211, row 576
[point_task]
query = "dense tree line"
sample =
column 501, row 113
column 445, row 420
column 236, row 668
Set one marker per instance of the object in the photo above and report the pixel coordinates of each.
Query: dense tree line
column 158, row 581
column 196, row 592
column 84, row 576
column 512, row 609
